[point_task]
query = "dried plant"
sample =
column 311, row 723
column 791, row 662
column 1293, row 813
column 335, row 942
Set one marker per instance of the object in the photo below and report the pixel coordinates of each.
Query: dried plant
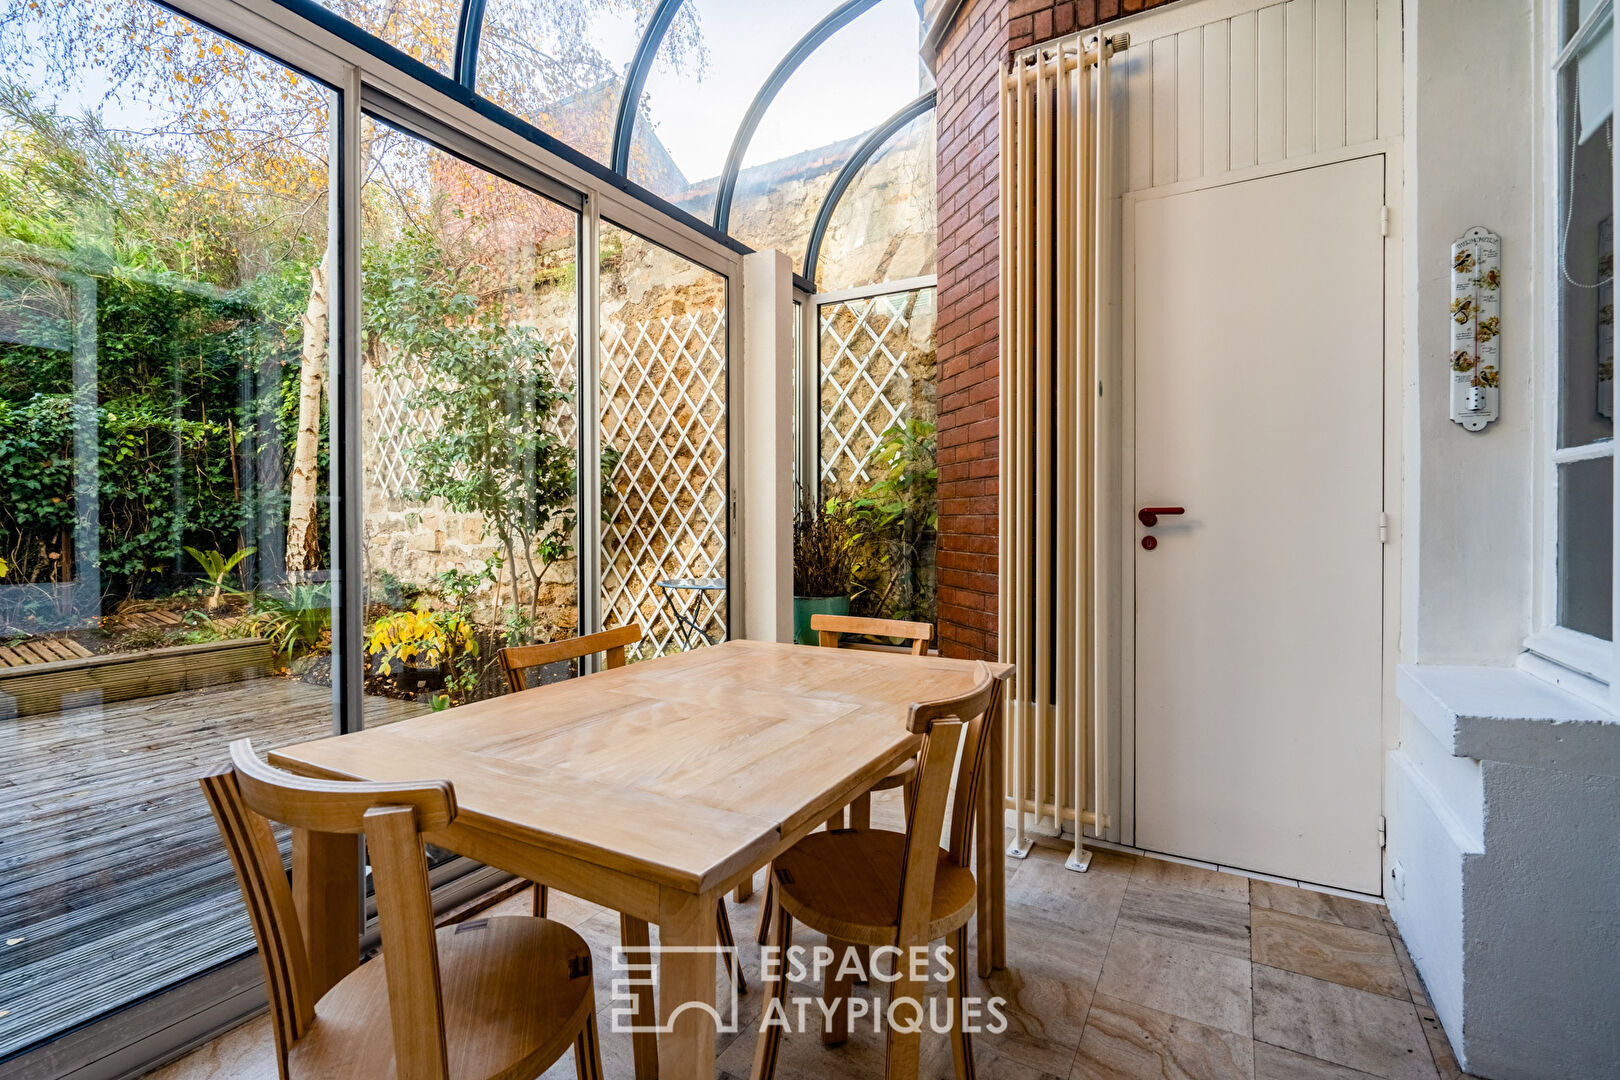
column 821, row 552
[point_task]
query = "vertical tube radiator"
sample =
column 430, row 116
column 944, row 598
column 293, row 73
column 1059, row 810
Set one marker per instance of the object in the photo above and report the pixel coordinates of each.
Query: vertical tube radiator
column 1054, row 131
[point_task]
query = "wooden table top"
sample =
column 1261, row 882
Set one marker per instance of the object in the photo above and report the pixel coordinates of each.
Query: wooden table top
column 683, row 771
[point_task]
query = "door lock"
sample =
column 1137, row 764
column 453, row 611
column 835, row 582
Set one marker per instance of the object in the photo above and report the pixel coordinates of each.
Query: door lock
column 1149, row 515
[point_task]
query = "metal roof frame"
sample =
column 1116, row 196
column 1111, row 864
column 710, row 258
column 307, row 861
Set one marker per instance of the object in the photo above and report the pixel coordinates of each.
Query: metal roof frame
column 846, row 176
column 835, row 20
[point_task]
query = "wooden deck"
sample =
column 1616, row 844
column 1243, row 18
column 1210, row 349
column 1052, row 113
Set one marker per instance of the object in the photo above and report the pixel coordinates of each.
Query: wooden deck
column 113, row 882
column 41, row 650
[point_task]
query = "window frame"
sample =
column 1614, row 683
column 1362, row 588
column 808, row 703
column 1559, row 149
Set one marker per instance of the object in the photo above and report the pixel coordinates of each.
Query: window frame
column 362, row 73
column 1594, row 662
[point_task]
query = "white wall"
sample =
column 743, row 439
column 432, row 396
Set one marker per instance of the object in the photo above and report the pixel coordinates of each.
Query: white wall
column 1470, row 160
column 764, row 455
column 1506, row 881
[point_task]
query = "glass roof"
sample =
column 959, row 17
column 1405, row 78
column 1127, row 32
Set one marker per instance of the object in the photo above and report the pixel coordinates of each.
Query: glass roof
column 884, row 226
column 791, row 164
column 744, row 115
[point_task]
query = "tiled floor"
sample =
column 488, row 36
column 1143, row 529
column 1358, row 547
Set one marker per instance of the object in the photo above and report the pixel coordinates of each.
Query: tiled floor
column 1138, row 969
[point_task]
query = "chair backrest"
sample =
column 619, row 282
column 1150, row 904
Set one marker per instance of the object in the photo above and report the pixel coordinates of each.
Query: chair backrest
column 829, row 628
column 517, row 660
column 246, row 796
column 963, row 721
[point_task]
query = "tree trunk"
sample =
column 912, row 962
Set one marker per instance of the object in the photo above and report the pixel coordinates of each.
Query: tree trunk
column 303, row 511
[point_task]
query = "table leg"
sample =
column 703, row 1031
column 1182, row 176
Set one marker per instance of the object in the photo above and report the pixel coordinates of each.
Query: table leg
column 992, row 856
column 644, row 1040
column 686, row 976
column 326, row 892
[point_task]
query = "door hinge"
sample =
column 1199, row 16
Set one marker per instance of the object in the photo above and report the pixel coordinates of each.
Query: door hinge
column 1383, row 528
column 1383, row 833
column 1383, row 221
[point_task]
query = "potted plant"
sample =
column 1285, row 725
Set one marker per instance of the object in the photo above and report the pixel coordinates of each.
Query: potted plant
column 821, row 568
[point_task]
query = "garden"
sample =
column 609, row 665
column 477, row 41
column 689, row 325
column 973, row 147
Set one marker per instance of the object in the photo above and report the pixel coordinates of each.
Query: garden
column 165, row 397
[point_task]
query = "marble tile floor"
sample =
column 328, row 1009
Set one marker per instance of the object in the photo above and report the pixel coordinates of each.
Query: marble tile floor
column 1140, row 968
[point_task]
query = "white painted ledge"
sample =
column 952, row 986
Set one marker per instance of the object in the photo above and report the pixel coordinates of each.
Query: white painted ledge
column 1504, row 714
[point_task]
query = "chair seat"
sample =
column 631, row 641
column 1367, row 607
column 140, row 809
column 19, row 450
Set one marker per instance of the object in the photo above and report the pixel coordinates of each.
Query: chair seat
column 516, row 990
column 846, row 884
column 902, row 773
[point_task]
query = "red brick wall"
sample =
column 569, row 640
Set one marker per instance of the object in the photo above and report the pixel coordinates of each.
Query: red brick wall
column 985, row 32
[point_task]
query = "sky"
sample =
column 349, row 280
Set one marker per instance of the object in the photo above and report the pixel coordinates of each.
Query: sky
column 849, row 85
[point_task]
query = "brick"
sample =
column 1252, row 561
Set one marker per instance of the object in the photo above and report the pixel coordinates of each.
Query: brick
column 968, row 325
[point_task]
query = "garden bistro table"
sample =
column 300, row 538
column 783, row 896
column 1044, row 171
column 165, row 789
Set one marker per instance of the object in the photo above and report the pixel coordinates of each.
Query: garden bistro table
column 688, row 616
column 651, row 789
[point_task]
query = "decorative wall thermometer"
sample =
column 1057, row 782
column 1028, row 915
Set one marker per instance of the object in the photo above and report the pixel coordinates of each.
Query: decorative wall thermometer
column 1476, row 327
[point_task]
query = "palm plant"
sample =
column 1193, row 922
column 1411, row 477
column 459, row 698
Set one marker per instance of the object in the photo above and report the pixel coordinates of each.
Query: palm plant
column 215, row 565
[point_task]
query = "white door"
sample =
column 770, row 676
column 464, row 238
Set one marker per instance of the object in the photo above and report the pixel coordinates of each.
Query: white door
column 1259, row 409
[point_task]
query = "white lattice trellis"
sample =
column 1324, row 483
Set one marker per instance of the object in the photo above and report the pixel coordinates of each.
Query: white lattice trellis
column 866, row 382
column 388, row 468
column 664, row 410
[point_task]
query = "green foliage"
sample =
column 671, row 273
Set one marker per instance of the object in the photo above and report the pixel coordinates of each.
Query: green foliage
column 892, row 525
column 295, row 623
column 196, row 344
column 216, row 564
column 458, row 586
column 162, row 479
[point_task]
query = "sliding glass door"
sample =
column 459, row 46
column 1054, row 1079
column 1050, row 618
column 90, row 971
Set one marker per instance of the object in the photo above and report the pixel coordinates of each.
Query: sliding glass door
column 166, row 289
column 470, row 353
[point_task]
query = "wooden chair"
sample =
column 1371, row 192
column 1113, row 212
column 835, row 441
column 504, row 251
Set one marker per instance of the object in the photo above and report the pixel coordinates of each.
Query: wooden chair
column 830, row 629
column 878, row 888
column 490, row 999
column 518, row 660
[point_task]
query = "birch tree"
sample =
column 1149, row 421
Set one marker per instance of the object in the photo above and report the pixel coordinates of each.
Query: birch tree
column 303, row 483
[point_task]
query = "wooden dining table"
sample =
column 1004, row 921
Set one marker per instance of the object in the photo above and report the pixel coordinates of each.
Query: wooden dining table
column 652, row 790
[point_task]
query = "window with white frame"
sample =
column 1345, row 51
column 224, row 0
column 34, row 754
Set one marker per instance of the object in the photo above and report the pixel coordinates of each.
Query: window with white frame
column 1582, row 516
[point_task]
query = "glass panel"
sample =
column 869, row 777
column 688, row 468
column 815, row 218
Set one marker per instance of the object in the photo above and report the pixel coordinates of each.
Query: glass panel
column 666, row 504
column 879, row 378
column 561, row 66
column 884, row 227
column 1585, row 284
column 699, row 86
column 856, row 80
column 1586, row 546
column 470, row 322
column 164, row 486
column 423, row 29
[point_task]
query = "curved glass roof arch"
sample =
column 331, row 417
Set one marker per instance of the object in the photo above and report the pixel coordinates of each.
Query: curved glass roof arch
column 752, row 120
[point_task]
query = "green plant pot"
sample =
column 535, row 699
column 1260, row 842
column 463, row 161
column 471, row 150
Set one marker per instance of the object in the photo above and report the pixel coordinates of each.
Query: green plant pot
column 806, row 606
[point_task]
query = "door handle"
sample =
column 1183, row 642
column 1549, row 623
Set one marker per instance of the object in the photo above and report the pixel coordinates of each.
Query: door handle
column 1149, row 515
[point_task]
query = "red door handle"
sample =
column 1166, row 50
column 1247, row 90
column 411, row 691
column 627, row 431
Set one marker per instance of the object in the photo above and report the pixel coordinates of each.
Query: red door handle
column 1149, row 515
